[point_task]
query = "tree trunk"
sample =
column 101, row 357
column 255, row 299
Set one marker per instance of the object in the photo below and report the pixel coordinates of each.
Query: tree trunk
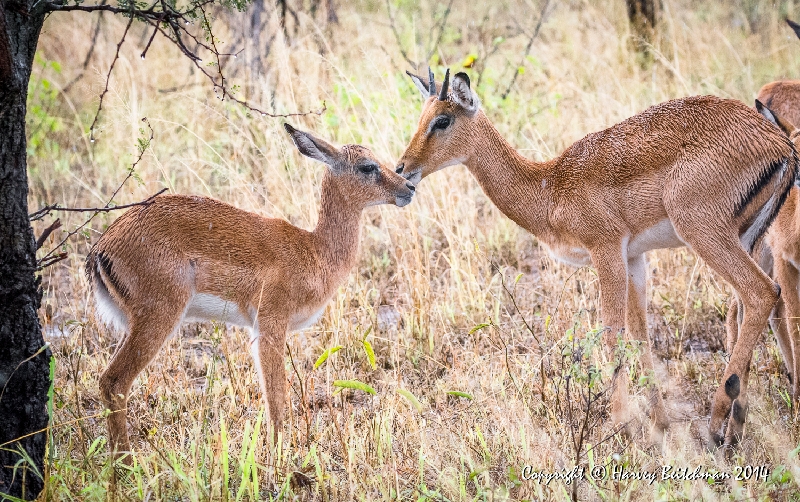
column 24, row 366
column 642, row 15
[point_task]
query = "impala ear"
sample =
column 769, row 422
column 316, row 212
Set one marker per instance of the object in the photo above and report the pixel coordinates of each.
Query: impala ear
column 312, row 147
column 783, row 124
column 422, row 86
column 462, row 95
column 794, row 26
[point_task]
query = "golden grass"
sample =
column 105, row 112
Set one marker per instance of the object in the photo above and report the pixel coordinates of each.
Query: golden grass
column 424, row 279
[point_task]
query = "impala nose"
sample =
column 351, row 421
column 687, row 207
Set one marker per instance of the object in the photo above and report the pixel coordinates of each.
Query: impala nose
column 410, row 186
column 399, row 169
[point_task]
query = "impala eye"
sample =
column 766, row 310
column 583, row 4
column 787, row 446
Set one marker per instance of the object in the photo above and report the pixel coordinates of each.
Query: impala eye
column 368, row 168
column 441, row 122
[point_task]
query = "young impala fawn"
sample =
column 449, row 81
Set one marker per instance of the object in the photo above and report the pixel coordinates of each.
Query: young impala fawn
column 779, row 255
column 701, row 171
column 184, row 258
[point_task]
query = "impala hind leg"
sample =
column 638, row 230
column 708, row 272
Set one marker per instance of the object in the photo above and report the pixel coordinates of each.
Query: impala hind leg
column 268, row 353
column 732, row 323
column 141, row 345
column 636, row 321
column 612, row 273
column 758, row 295
column 788, row 321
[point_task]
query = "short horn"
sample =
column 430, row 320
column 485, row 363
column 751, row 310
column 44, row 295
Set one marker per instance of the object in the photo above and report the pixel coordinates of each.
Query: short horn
column 445, row 83
column 432, row 85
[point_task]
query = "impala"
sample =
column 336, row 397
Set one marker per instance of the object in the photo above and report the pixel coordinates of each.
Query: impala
column 779, row 255
column 702, row 172
column 184, row 258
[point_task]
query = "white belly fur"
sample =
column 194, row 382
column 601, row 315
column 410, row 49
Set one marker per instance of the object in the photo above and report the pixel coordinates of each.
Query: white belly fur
column 204, row 307
column 302, row 320
column 660, row 236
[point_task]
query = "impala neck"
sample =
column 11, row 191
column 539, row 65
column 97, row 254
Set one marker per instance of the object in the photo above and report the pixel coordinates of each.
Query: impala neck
column 518, row 186
column 338, row 229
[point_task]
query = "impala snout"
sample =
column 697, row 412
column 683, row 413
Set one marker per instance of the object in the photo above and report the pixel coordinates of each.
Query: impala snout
column 404, row 194
column 414, row 175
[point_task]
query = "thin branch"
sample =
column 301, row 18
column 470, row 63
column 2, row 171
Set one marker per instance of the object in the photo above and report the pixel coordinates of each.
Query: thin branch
column 441, row 31
column 50, row 258
column 108, row 79
column 172, row 23
column 397, row 37
column 533, row 37
column 55, row 207
column 46, row 233
column 514, row 301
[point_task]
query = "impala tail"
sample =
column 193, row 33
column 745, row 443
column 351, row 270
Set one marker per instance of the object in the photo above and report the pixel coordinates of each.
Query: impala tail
column 106, row 288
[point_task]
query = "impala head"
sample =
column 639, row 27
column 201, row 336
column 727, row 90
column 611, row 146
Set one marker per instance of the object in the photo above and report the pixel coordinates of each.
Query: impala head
column 446, row 128
column 783, row 124
column 365, row 180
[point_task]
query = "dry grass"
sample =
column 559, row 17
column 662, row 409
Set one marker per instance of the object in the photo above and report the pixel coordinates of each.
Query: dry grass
column 424, row 279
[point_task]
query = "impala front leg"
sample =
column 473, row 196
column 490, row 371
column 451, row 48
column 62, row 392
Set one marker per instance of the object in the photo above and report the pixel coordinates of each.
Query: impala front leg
column 610, row 264
column 268, row 346
column 636, row 323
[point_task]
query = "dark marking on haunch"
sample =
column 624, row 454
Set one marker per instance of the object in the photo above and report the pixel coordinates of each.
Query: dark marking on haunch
column 717, row 439
column 733, row 386
column 108, row 269
column 791, row 165
column 755, row 188
column 739, row 412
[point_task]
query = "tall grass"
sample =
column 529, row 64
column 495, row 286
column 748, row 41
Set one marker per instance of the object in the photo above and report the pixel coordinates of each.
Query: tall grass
column 483, row 395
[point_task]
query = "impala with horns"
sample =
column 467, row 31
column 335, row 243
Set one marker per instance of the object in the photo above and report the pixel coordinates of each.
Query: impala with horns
column 701, row 171
column 183, row 258
column 779, row 255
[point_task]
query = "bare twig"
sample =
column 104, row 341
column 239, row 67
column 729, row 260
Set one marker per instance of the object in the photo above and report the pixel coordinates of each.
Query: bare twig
column 55, row 207
column 397, row 37
column 514, row 301
column 46, row 233
column 108, row 79
column 542, row 16
column 51, row 258
column 172, row 22
column 442, row 24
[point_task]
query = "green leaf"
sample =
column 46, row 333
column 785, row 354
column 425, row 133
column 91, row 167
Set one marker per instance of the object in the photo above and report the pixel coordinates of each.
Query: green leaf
column 367, row 332
column 370, row 353
column 325, row 355
column 458, row 393
column 480, row 327
column 355, row 385
column 519, row 276
column 411, row 398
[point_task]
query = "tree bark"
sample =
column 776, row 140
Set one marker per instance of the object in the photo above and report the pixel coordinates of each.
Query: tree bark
column 24, row 365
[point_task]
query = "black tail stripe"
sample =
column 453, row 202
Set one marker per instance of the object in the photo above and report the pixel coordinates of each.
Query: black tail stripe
column 755, row 188
column 108, row 269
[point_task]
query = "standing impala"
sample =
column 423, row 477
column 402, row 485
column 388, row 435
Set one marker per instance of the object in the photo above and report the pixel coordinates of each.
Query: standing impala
column 701, row 171
column 184, row 258
column 779, row 255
